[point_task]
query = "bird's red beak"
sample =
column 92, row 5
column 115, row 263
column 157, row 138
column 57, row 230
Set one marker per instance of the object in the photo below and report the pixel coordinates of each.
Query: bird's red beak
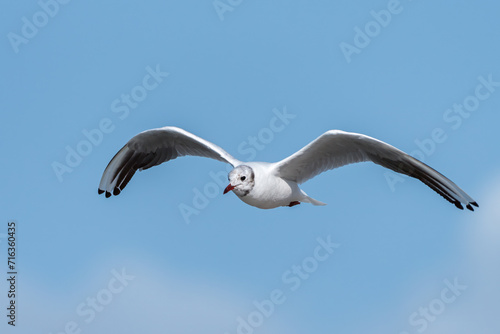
column 228, row 188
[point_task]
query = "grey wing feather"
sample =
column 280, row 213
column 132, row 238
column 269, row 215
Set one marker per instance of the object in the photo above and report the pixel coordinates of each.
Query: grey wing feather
column 337, row 148
column 151, row 148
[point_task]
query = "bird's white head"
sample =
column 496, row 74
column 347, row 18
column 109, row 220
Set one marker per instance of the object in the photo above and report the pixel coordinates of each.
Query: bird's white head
column 241, row 180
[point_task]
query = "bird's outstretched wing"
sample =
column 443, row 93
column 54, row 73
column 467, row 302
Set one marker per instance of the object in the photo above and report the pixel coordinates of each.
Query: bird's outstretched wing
column 151, row 148
column 337, row 148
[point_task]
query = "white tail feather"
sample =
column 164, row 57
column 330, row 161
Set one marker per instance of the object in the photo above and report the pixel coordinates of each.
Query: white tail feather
column 307, row 199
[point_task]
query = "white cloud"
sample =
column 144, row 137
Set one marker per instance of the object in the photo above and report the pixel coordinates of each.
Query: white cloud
column 155, row 301
column 478, row 309
column 475, row 263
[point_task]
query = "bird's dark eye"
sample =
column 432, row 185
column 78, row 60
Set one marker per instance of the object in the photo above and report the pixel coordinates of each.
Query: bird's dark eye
column 243, row 178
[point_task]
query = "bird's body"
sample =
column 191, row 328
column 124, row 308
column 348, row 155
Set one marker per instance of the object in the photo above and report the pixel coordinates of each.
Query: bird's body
column 271, row 191
column 270, row 185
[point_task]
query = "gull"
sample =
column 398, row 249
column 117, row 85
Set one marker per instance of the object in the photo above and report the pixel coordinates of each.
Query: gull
column 270, row 185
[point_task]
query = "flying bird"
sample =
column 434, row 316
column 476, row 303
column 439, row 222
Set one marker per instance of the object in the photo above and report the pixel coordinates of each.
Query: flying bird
column 270, row 185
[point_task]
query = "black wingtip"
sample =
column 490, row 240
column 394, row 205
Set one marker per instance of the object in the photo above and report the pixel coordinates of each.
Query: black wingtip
column 475, row 204
column 108, row 194
column 459, row 205
column 116, row 191
column 468, row 206
column 99, row 191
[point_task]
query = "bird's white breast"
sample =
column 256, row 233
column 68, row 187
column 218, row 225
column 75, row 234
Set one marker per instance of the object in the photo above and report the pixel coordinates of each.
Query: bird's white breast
column 270, row 191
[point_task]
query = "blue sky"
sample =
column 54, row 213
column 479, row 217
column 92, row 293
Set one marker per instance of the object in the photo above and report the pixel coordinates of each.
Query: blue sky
column 261, row 80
